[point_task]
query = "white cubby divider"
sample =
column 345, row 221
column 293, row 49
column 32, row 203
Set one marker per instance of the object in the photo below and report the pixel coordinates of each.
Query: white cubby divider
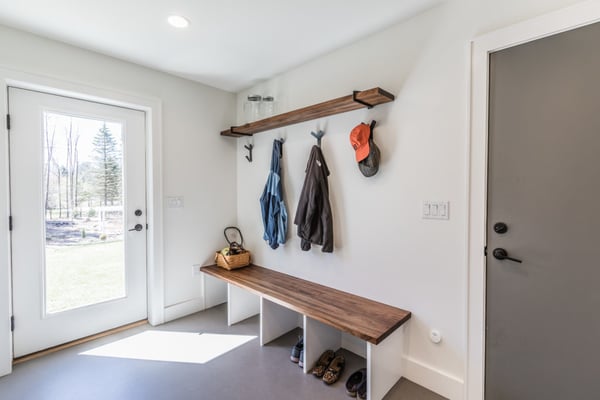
column 275, row 320
column 241, row 304
column 318, row 337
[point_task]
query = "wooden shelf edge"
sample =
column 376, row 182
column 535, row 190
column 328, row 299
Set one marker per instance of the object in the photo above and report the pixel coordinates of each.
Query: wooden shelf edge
column 355, row 101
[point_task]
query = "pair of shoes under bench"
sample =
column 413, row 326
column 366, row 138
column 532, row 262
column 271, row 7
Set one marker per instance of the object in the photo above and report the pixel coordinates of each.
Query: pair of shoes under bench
column 329, row 367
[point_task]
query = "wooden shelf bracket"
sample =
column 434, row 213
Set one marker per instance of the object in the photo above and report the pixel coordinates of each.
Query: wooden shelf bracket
column 357, row 100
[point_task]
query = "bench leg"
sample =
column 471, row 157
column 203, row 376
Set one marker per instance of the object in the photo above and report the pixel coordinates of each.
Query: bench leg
column 318, row 337
column 241, row 304
column 275, row 320
column 384, row 364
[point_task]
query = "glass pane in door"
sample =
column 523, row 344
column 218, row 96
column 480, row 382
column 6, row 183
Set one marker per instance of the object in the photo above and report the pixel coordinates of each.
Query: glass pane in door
column 83, row 203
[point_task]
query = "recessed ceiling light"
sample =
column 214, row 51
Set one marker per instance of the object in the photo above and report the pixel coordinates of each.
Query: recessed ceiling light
column 178, row 21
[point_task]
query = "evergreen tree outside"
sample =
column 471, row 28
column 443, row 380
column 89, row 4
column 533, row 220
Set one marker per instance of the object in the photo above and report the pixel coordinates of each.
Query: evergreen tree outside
column 107, row 168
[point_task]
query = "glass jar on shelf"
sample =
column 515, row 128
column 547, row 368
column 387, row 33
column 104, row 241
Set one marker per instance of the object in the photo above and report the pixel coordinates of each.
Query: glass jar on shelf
column 252, row 107
column 267, row 106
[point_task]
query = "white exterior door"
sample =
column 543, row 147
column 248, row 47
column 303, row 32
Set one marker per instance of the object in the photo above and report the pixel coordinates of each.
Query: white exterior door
column 78, row 194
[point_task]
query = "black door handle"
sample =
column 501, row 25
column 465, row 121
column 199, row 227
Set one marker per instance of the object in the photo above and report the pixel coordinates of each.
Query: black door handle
column 137, row 227
column 501, row 254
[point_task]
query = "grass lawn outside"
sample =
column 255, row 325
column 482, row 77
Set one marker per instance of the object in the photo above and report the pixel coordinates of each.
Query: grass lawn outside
column 80, row 275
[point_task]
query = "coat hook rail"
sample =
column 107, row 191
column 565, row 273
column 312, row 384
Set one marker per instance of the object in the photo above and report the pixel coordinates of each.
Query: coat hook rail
column 319, row 135
column 249, row 147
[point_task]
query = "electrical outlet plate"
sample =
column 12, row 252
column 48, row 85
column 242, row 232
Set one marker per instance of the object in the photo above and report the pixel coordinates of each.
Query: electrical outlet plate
column 435, row 336
column 436, row 210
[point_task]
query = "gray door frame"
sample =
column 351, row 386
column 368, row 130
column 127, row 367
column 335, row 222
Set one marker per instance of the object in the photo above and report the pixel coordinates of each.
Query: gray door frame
column 559, row 21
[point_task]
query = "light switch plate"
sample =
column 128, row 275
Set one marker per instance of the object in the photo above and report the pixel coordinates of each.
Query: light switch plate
column 436, row 210
column 175, row 201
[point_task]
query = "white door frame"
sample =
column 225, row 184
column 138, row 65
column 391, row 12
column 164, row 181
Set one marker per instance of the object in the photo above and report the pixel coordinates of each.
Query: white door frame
column 559, row 21
column 155, row 262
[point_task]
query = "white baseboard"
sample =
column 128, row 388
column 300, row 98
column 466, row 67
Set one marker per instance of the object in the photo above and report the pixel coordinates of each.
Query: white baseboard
column 184, row 308
column 433, row 379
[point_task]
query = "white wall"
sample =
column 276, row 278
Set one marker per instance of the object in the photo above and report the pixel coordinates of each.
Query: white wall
column 196, row 160
column 384, row 249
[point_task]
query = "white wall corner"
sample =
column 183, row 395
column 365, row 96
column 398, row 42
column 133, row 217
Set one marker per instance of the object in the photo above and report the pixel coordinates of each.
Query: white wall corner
column 433, row 379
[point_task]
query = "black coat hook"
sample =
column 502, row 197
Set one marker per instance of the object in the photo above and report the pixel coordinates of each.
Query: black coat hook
column 249, row 147
column 318, row 136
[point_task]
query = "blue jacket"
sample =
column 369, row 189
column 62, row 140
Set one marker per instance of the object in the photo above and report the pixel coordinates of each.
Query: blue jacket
column 273, row 208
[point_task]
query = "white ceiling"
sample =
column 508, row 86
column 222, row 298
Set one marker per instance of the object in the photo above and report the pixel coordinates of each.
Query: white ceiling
column 230, row 44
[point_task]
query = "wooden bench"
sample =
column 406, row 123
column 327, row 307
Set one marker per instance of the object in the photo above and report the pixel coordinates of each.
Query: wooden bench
column 326, row 312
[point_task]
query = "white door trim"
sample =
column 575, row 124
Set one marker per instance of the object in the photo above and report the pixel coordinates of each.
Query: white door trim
column 155, row 259
column 559, row 21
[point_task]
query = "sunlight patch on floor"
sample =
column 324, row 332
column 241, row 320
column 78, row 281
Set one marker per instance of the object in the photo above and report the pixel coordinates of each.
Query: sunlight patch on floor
column 184, row 347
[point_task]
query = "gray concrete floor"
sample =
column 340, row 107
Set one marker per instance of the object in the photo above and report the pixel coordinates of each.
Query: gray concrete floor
column 249, row 372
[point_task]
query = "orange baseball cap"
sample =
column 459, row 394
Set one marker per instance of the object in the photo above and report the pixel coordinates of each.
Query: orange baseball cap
column 359, row 138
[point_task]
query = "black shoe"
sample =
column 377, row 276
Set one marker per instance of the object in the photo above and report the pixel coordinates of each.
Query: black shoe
column 301, row 361
column 361, row 393
column 298, row 347
column 355, row 381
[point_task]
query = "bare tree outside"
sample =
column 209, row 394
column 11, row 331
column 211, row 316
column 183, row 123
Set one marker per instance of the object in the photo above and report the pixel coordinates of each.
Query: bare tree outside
column 49, row 155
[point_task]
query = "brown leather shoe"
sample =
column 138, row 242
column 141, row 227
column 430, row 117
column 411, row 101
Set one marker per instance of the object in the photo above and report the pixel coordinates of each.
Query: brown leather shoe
column 334, row 370
column 322, row 363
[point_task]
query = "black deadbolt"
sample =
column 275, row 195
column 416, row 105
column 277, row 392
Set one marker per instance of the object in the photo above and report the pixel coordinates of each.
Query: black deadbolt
column 500, row 227
column 138, row 212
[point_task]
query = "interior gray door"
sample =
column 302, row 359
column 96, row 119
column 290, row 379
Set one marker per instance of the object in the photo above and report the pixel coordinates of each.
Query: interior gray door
column 543, row 314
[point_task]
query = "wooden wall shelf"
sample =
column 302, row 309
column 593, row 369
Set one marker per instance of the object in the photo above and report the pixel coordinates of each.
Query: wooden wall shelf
column 360, row 99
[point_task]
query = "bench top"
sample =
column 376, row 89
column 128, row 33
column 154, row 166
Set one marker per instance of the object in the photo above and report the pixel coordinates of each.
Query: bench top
column 367, row 319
